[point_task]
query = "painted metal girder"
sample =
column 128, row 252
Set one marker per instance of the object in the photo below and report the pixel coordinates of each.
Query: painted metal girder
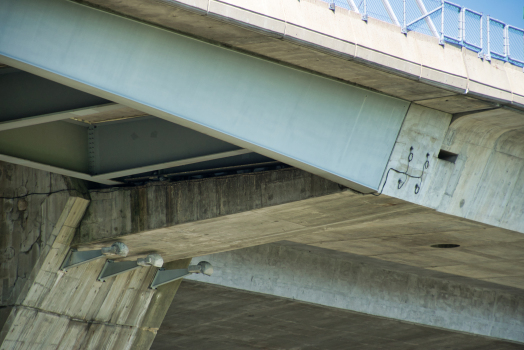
column 326, row 127
column 111, row 150
column 132, row 146
column 33, row 99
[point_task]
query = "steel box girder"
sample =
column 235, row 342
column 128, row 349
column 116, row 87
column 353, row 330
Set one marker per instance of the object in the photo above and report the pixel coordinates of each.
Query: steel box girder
column 332, row 129
column 24, row 95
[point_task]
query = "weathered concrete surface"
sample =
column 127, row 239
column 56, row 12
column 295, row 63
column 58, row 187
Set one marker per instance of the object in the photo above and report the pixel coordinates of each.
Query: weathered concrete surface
column 371, row 286
column 484, row 184
column 207, row 316
column 27, row 223
column 124, row 212
column 339, row 44
column 44, row 308
column 73, row 310
column 158, row 307
column 382, row 227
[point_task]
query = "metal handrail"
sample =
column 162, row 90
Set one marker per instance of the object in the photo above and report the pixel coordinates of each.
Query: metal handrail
column 488, row 40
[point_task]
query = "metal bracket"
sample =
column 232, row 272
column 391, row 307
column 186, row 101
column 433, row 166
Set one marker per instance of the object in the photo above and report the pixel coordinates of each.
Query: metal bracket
column 75, row 258
column 164, row 276
column 112, row 268
column 442, row 41
column 332, row 6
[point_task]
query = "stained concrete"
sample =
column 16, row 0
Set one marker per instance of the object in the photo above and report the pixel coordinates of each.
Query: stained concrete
column 372, row 286
column 205, row 316
column 381, row 227
column 27, row 222
column 485, row 182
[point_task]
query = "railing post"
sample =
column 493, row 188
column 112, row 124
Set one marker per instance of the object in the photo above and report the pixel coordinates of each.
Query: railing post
column 365, row 14
column 506, row 41
column 487, row 56
column 441, row 41
column 462, row 25
column 404, row 29
column 481, row 52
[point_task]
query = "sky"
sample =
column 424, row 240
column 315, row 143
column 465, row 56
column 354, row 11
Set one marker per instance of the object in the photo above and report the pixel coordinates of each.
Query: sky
column 507, row 11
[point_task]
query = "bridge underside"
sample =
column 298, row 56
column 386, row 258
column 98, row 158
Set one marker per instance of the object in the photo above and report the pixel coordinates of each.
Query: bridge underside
column 233, row 319
column 223, row 130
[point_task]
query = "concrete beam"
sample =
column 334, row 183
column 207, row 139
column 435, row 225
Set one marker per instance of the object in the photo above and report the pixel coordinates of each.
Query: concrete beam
column 271, row 322
column 483, row 184
column 200, row 217
column 374, row 287
column 163, row 207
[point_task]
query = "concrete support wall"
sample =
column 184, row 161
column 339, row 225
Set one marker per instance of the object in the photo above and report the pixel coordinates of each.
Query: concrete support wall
column 45, row 308
column 483, row 184
column 125, row 211
column 372, row 286
column 27, row 223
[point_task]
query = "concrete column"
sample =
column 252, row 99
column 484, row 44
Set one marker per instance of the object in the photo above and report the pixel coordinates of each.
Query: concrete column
column 158, row 308
column 46, row 308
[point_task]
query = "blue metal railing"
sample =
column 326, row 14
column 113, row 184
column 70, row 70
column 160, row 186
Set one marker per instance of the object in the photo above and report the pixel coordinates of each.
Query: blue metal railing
column 451, row 23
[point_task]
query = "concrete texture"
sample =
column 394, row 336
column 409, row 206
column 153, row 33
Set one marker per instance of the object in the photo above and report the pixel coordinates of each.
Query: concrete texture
column 484, row 184
column 27, row 223
column 339, row 44
column 206, row 316
column 45, row 308
column 124, row 211
column 200, row 217
column 363, row 284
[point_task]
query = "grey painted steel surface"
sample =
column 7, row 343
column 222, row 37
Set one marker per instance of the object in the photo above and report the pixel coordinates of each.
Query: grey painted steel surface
column 164, row 276
column 329, row 128
column 24, row 95
column 59, row 144
column 114, row 268
column 134, row 143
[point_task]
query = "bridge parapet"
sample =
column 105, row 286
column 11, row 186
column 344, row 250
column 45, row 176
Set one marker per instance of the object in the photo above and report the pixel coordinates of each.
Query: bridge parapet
column 339, row 44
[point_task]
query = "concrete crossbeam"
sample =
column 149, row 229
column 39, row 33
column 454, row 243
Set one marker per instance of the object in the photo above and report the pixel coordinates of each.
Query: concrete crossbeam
column 354, row 282
column 272, row 322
